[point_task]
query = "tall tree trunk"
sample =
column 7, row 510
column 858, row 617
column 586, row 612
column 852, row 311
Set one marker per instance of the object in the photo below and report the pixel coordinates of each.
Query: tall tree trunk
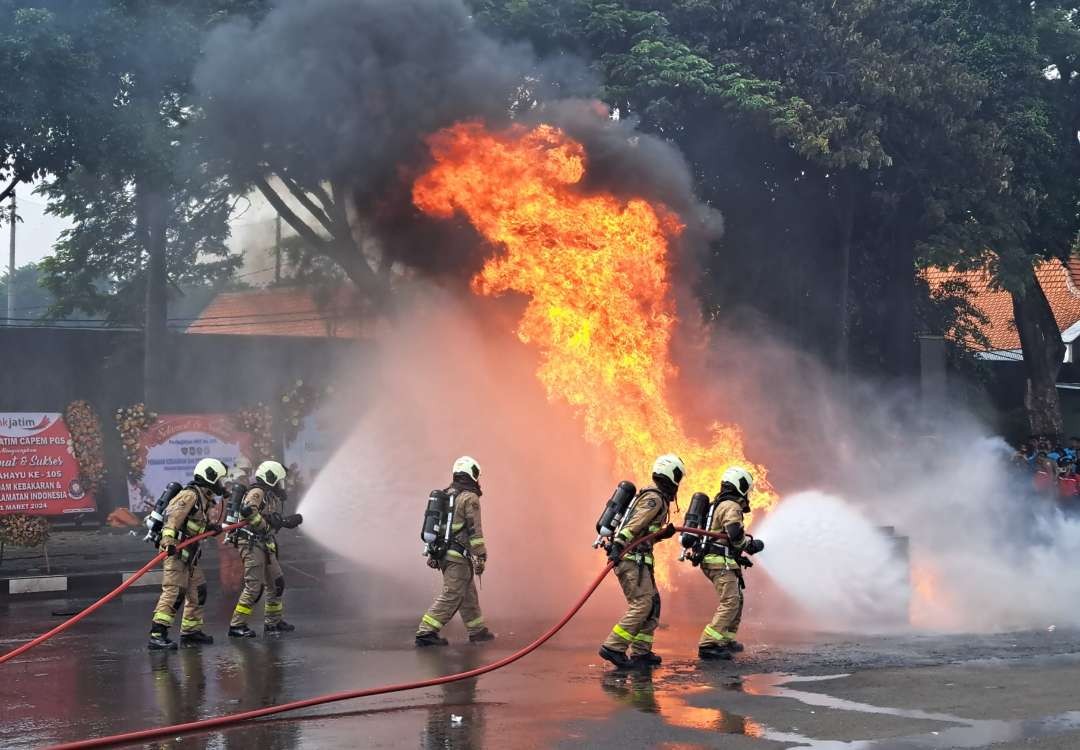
column 901, row 350
column 152, row 212
column 1044, row 351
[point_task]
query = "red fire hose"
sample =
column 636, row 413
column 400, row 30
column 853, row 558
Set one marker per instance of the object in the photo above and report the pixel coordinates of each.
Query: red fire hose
column 222, row 721
column 108, row 597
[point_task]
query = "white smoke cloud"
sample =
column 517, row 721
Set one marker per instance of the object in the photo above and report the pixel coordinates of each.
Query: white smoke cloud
column 986, row 552
column 447, row 379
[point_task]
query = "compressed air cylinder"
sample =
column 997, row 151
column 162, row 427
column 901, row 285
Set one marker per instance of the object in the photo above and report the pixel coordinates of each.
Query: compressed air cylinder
column 695, row 518
column 433, row 516
column 615, row 509
column 236, row 497
column 156, row 520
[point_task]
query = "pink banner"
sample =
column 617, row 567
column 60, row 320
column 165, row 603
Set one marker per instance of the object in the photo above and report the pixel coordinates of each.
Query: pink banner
column 174, row 443
column 39, row 474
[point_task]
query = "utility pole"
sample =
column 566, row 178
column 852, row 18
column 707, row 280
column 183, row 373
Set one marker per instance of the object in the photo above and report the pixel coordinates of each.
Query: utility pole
column 277, row 249
column 11, row 268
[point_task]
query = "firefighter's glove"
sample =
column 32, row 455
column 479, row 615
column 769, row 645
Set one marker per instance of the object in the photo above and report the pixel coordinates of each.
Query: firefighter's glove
column 275, row 520
column 169, row 549
column 615, row 550
column 247, row 511
column 433, row 563
column 213, row 528
column 744, row 562
column 479, row 563
column 291, row 522
column 667, row 532
column 754, row 546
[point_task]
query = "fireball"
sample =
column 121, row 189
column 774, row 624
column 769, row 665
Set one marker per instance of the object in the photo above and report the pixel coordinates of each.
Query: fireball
column 596, row 271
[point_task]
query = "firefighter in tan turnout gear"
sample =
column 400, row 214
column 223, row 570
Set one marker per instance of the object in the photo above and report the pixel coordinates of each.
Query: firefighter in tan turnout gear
column 721, row 560
column 183, row 582
column 457, row 549
column 262, row 509
column 647, row 514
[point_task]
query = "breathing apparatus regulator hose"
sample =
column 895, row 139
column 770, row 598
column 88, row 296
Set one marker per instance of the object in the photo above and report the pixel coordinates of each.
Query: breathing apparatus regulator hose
column 231, row 719
column 111, row 595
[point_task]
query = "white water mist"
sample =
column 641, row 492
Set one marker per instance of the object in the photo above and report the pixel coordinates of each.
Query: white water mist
column 449, row 382
column 839, row 567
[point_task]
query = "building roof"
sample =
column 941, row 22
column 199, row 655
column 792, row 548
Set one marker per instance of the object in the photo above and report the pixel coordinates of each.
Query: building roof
column 281, row 311
column 1059, row 281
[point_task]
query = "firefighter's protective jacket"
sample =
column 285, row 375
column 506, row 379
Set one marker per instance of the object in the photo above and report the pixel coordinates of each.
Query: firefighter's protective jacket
column 649, row 514
column 264, row 504
column 186, row 516
column 728, row 514
column 467, row 532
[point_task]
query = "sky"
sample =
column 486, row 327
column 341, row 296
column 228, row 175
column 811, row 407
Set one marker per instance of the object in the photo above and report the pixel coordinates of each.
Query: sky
column 36, row 233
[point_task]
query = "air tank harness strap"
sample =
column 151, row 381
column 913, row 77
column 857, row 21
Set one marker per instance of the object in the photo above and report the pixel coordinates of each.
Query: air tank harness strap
column 458, row 551
column 188, row 555
column 720, row 554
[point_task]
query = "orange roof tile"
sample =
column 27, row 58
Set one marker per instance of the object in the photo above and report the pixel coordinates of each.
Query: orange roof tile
column 280, row 311
column 1061, row 284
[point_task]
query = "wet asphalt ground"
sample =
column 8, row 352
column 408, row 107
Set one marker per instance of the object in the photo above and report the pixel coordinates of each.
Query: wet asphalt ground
column 1015, row 690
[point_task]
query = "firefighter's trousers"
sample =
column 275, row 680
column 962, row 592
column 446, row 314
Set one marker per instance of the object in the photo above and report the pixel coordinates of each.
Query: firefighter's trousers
column 262, row 575
column 637, row 626
column 458, row 595
column 725, row 622
column 181, row 581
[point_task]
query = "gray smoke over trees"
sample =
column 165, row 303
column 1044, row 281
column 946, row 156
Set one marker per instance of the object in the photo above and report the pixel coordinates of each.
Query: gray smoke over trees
column 323, row 107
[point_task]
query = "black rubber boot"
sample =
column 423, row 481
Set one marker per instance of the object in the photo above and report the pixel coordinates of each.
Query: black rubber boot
column 714, row 653
column 646, row 660
column 196, row 638
column 159, row 639
column 430, row 639
column 242, row 631
column 482, row 637
column 618, row 658
column 736, row 647
column 278, row 627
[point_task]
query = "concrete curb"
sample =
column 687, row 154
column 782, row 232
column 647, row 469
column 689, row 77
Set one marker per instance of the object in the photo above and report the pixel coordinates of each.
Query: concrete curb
column 97, row 584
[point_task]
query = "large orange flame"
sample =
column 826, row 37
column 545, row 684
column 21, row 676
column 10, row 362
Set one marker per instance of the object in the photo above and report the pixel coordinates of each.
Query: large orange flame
column 596, row 270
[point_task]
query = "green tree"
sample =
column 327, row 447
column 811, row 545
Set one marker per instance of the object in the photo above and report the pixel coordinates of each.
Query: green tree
column 1029, row 56
column 98, row 265
column 108, row 105
column 44, row 101
column 835, row 136
column 32, row 299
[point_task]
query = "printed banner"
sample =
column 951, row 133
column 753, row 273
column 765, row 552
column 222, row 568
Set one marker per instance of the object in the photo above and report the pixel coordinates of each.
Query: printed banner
column 174, row 443
column 310, row 450
column 39, row 474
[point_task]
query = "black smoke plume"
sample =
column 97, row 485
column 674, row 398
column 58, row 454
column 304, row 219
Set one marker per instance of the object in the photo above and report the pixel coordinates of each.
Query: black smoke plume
column 347, row 90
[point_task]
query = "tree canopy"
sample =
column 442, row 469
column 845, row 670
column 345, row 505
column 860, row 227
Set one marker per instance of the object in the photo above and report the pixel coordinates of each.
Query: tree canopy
column 848, row 144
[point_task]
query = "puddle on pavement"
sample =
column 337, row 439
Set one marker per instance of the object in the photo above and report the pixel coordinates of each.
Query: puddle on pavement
column 672, row 704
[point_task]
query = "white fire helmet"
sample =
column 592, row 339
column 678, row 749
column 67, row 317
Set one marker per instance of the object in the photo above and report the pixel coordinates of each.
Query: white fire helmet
column 467, row 465
column 210, row 472
column 740, row 479
column 671, row 466
column 271, row 473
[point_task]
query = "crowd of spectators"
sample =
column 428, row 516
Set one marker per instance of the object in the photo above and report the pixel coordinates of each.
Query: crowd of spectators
column 1049, row 455
column 1051, row 461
